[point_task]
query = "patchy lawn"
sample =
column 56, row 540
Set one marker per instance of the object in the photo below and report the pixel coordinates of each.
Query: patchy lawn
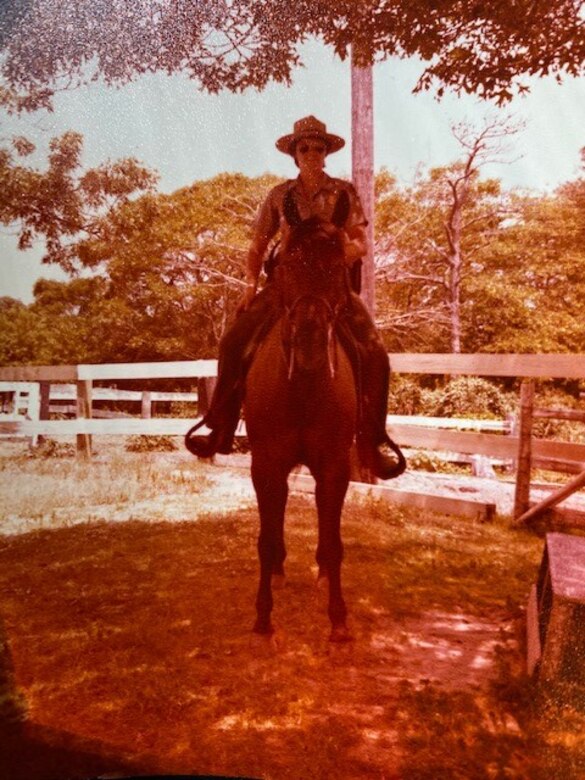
column 127, row 647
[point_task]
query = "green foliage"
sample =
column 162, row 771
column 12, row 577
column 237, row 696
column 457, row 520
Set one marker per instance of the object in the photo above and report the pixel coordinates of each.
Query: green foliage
column 406, row 396
column 162, row 272
column 62, row 205
column 483, row 48
column 519, row 284
column 49, row 448
column 531, row 275
column 150, row 444
column 551, row 396
column 429, row 237
column 168, row 270
column 469, row 397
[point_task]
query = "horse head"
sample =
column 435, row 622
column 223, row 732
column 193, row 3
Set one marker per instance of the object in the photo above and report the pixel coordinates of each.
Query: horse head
column 312, row 276
column 312, row 255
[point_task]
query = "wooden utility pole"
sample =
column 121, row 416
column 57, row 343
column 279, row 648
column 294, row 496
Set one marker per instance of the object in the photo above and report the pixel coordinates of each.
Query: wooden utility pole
column 362, row 163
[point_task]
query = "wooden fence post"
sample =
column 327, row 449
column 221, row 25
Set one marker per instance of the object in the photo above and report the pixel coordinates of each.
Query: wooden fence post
column 205, row 388
column 33, row 408
column 84, row 411
column 45, row 398
column 554, row 499
column 522, row 496
column 146, row 405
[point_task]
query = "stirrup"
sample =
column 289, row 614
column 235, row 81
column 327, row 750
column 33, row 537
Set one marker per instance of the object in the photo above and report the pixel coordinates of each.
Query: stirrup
column 384, row 466
column 206, row 446
column 202, row 446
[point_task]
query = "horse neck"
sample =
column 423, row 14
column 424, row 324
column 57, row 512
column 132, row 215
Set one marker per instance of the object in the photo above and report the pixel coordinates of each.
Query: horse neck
column 307, row 281
column 309, row 338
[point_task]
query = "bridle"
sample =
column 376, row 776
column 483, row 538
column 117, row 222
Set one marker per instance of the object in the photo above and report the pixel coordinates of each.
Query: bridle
column 331, row 318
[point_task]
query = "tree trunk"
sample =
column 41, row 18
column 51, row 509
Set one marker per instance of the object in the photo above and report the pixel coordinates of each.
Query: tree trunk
column 453, row 230
column 455, row 301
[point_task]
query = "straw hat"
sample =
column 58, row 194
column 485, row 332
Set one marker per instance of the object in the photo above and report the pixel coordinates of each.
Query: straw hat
column 309, row 127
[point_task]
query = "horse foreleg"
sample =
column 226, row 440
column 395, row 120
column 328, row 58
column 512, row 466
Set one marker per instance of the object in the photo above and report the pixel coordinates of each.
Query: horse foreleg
column 271, row 492
column 329, row 495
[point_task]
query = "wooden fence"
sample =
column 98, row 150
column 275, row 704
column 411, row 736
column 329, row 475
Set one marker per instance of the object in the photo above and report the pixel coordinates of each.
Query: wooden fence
column 408, row 432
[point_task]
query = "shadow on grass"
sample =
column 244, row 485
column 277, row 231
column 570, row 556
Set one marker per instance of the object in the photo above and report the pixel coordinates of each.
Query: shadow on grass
column 132, row 645
column 32, row 752
column 513, row 727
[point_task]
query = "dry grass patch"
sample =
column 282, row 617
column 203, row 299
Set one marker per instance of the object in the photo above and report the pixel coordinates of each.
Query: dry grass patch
column 40, row 492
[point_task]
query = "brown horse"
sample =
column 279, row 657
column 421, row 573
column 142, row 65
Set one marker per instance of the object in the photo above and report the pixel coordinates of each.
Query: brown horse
column 301, row 405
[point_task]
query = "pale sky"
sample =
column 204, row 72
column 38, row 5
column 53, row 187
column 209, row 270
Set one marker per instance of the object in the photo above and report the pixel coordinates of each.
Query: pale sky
column 187, row 135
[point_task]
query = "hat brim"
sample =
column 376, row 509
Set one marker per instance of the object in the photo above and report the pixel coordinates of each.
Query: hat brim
column 287, row 143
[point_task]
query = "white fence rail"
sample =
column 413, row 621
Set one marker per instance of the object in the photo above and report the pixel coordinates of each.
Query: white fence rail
column 493, row 439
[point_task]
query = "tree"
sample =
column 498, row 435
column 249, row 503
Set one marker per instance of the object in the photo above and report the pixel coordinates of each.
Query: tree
column 408, row 313
column 574, row 192
column 62, row 204
column 484, row 48
column 180, row 259
column 166, row 271
column 528, row 290
column 431, row 244
column 41, row 335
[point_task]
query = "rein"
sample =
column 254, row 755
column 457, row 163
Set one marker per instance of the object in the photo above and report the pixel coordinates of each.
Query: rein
column 332, row 316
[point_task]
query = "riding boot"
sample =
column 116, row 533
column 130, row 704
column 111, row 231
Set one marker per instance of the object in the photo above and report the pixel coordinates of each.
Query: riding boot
column 222, row 420
column 235, row 354
column 375, row 446
column 373, row 381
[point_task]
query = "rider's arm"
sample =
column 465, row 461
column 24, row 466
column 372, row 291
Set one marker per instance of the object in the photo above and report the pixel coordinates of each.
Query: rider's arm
column 265, row 226
column 253, row 268
column 256, row 254
column 355, row 244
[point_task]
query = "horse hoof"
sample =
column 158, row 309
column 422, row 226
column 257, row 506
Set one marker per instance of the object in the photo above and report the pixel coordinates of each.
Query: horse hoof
column 263, row 629
column 266, row 643
column 278, row 581
column 322, row 580
column 340, row 635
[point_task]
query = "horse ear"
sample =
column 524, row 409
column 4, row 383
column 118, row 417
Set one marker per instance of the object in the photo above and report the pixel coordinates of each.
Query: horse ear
column 290, row 210
column 341, row 210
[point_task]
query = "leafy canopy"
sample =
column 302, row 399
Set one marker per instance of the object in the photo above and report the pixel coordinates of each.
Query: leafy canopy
column 488, row 48
column 63, row 202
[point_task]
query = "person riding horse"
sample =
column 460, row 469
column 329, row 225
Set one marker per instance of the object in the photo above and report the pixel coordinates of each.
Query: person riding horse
column 315, row 194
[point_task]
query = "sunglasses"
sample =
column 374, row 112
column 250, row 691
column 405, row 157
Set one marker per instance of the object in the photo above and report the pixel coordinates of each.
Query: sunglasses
column 304, row 148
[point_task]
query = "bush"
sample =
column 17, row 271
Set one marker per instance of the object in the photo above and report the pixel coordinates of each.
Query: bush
column 461, row 397
column 551, row 397
column 405, row 397
column 469, row 397
column 144, row 443
column 49, row 448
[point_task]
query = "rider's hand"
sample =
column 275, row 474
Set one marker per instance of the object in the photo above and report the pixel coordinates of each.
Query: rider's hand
column 247, row 298
column 354, row 248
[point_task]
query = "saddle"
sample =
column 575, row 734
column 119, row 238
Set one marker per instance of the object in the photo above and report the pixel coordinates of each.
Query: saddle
column 354, row 273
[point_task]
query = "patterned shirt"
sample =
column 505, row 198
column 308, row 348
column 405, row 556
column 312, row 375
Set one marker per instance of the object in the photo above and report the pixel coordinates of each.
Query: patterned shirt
column 270, row 216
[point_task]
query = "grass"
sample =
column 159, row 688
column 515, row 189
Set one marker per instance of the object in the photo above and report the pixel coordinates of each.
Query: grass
column 127, row 646
column 51, row 492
